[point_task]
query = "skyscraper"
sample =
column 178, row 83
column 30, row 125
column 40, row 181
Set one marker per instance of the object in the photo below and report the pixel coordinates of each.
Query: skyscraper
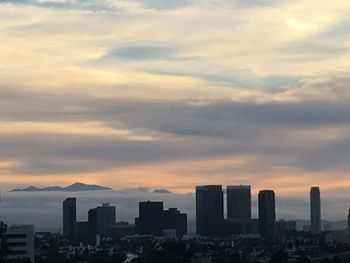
column 69, row 216
column 105, row 217
column 349, row 218
column 267, row 213
column 150, row 220
column 239, row 202
column 315, row 210
column 209, row 210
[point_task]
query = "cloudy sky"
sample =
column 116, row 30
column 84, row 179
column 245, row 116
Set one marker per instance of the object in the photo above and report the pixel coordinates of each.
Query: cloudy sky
column 175, row 93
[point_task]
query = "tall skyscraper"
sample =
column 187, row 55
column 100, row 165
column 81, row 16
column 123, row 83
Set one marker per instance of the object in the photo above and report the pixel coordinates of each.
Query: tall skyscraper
column 92, row 222
column 239, row 202
column 105, row 217
column 315, row 210
column 69, row 216
column 150, row 220
column 209, row 210
column 267, row 213
column 349, row 218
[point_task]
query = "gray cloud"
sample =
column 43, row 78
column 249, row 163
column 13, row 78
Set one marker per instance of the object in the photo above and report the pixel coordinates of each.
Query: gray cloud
column 240, row 78
column 141, row 52
column 219, row 128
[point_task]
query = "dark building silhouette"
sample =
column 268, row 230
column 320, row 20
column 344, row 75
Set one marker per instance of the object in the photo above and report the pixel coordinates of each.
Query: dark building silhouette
column 81, row 232
column 92, row 222
column 105, row 217
column 349, row 218
column 174, row 219
column 69, row 216
column 153, row 220
column 209, row 210
column 100, row 219
column 150, row 220
column 239, row 202
column 267, row 213
column 315, row 210
column 121, row 229
column 241, row 226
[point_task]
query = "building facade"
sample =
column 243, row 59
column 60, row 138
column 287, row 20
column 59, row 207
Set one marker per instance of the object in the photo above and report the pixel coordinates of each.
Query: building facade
column 20, row 242
column 105, row 217
column 209, row 210
column 267, row 213
column 69, row 216
column 315, row 210
column 349, row 218
column 239, row 202
column 174, row 219
column 150, row 220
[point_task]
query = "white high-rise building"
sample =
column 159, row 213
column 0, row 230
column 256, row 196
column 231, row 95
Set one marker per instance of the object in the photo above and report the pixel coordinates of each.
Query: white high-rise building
column 315, row 210
column 20, row 241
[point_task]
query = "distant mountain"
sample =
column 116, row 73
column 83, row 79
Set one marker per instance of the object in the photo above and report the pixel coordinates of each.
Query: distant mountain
column 161, row 191
column 76, row 187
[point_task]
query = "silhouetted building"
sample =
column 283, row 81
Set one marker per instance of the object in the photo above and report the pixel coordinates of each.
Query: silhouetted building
column 267, row 213
column 349, row 218
column 315, row 210
column 69, row 216
column 174, row 219
column 150, row 220
column 20, row 243
column 121, row 229
column 286, row 226
column 105, row 217
column 239, row 202
column 209, row 210
column 92, row 222
column 81, row 231
column 241, row 226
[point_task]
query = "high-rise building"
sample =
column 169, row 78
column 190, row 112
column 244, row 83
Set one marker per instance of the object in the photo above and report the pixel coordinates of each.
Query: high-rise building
column 209, row 210
column 92, row 223
column 150, row 220
column 69, row 216
column 267, row 213
column 20, row 243
column 349, row 218
column 174, row 219
column 105, row 217
column 315, row 210
column 239, row 202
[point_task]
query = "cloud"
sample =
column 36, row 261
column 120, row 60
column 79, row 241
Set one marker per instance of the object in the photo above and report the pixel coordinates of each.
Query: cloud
column 140, row 52
column 174, row 92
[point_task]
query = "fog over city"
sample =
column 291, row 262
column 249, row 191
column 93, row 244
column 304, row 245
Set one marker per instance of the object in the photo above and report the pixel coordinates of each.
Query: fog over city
column 45, row 209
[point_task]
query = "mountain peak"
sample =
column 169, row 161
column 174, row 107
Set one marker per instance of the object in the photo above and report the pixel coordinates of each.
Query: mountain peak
column 75, row 187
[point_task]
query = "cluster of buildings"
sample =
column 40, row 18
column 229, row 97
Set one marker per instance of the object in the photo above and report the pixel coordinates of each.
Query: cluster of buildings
column 210, row 219
column 153, row 220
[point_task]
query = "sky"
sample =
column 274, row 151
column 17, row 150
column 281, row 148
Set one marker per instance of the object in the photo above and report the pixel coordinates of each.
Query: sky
column 173, row 94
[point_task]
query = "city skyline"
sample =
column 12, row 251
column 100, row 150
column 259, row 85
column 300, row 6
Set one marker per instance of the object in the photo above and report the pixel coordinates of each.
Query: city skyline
column 172, row 94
